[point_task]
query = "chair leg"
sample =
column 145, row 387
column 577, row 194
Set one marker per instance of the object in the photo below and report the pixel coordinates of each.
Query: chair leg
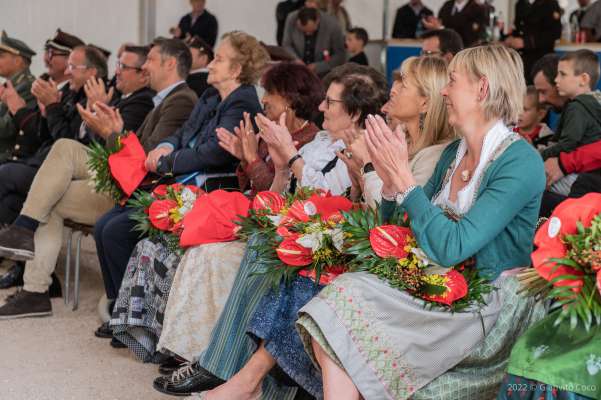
column 68, row 268
column 76, row 279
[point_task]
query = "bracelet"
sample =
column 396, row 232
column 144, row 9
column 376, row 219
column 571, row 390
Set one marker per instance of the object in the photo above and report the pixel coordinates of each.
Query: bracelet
column 399, row 197
column 293, row 159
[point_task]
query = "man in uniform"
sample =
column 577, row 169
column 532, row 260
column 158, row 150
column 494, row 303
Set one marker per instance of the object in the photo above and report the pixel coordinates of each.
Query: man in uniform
column 466, row 17
column 15, row 58
column 537, row 26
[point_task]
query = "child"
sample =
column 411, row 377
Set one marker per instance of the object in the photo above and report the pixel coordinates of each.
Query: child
column 580, row 122
column 356, row 39
column 530, row 125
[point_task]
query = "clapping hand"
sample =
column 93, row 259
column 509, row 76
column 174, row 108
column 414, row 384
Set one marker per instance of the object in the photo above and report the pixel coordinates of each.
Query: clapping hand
column 431, row 22
column 10, row 97
column 96, row 91
column 278, row 138
column 355, row 156
column 101, row 119
column 389, row 154
column 46, row 92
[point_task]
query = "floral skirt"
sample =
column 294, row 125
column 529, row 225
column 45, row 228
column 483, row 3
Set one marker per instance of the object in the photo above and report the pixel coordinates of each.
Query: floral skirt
column 274, row 324
column 200, row 289
column 137, row 319
column 394, row 348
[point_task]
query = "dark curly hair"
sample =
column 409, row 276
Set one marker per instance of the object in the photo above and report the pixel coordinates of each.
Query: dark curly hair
column 365, row 89
column 298, row 85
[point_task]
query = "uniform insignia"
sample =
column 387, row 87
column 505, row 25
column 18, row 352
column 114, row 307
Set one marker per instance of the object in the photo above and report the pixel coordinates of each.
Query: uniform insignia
column 475, row 26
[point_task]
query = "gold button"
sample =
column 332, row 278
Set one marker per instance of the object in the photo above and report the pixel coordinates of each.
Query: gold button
column 17, row 147
column 15, row 158
column 21, row 133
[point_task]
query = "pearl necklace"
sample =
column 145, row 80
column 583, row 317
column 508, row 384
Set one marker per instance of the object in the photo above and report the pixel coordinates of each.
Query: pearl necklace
column 466, row 175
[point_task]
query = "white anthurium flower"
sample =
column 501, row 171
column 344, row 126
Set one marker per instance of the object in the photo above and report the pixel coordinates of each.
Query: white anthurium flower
column 311, row 241
column 337, row 238
column 275, row 219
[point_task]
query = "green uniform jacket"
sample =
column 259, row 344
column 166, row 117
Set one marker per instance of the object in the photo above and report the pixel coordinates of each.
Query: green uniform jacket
column 8, row 130
column 498, row 229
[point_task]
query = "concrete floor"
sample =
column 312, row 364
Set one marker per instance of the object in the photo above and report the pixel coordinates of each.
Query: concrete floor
column 59, row 358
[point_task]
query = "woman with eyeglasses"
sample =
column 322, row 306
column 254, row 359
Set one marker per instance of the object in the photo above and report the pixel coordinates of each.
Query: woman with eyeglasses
column 353, row 92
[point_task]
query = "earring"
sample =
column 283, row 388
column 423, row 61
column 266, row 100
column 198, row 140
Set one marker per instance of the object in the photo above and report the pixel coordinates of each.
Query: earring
column 422, row 118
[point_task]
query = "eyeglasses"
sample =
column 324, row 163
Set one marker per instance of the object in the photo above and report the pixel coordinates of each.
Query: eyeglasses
column 330, row 101
column 122, row 66
column 430, row 52
column 55, row 53
column 71, row 67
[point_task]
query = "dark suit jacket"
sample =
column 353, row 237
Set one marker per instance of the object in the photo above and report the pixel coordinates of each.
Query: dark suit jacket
column 205, row 27
column 166, row 118
column 329, row 38
column 196, row 147
column 405, row 22
column 469, row 23
column 198, row 82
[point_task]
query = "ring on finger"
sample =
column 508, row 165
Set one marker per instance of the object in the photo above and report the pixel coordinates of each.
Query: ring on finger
column 348, row 154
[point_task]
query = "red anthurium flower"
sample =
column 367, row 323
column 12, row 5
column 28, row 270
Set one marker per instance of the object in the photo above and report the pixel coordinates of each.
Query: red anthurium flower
column 550, row 270
column 292, row 253
column 389, row 240
column 158, row 214
column 159, row 191
column 327, row 275
column 296, row 212
column 328, row 206
column 286, row 233
column 456, row 289
column 267, row 200
column 178, row 227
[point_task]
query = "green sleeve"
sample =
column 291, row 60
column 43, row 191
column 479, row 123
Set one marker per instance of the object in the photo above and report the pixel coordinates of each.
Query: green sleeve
column 8, row 128
column 574, row 125
column 508, row 190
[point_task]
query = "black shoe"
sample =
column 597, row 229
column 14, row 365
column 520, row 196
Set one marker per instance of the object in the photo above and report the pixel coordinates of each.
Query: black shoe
column 191, row 378
column 55, row 290
column 25, row 304
column 13, row 277
column 16, row 243
column 170, row 365
column 104, row 331
column 117, row 344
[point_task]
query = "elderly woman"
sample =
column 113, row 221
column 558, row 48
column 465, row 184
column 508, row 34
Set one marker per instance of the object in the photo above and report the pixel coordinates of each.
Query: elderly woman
column 374, row 341
column 192, row 155
column 205, row 275
column 273, row 323
column 353, row 92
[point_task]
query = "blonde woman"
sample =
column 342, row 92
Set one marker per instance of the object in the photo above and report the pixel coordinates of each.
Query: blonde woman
column 416, row 103
column 376, row 342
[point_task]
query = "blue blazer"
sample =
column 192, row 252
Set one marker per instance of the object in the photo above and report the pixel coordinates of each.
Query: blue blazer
column 196, row 147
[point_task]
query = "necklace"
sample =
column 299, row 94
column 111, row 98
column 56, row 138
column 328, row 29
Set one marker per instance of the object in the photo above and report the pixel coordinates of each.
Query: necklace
column 466, row 175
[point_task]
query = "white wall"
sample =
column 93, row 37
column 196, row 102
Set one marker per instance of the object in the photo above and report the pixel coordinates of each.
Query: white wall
column 108, row 23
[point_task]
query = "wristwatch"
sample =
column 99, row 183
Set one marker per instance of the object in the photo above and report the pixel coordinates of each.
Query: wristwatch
column 367, row 168
column 399, row 197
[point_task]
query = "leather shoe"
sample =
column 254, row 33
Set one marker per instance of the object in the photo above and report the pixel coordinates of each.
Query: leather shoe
column 13, row 277
column 171, row 364
column 117, row 344
column 55, row 290
column 104, row 331
column 191, row 378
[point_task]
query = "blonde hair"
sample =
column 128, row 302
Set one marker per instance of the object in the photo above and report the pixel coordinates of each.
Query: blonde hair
column 503, row 69
column 249, row 55
column 429, row 75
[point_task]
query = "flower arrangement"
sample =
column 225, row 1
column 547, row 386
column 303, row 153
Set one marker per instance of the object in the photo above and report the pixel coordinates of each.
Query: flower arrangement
column 160, row 214
column 390, row 251
column 116, row 170
column 304, row 234
column 567, row 261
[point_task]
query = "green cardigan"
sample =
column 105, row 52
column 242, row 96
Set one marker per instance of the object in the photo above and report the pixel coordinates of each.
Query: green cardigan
column 499, row 228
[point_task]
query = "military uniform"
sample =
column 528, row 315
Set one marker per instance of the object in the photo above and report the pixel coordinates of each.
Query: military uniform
column 13, row 142
column 539, row 25
column 469, row 22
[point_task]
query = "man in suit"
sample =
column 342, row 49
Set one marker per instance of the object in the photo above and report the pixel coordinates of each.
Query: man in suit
column 537, row 26
column 15, row 58
column 408, row 19
column 466, row 17
column 315, row 38
column 202, row 55
column 62, row 188
column 199, row 23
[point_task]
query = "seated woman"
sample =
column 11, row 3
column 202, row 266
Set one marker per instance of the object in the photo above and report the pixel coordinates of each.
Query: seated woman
column 353, row 92
column 416, row 97
column 480, row 180
column 205, row 274
column 415, row 102
column 194, row 156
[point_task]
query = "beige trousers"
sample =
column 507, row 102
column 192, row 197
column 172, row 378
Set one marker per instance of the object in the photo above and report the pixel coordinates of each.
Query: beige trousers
column 61, row 190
